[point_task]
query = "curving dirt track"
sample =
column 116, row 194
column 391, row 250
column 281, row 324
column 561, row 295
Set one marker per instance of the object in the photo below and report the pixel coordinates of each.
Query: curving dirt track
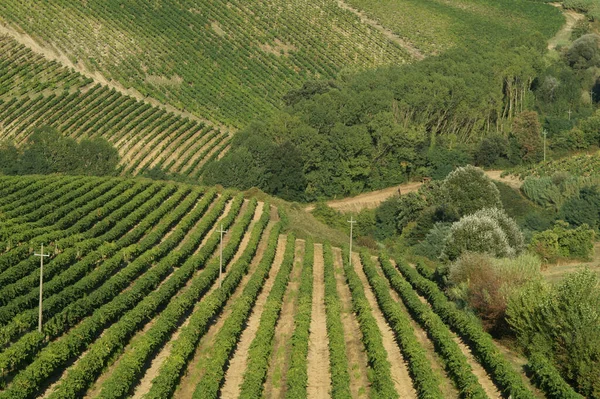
column 564, row 34
column 374, row 198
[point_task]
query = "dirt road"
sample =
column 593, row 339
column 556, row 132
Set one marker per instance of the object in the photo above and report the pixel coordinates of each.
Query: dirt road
column 374, row 198
column 563, row 36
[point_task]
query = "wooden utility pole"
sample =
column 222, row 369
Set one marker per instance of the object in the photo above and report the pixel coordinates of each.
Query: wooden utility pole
column 569, row 113
column 544, row 133
column 41, row 255
column 351, row 221
column 221, row 256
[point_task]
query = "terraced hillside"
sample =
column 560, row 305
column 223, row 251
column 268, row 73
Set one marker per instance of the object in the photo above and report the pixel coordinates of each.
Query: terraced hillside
column 36, row 92
column 224, row 61
column 134, row 306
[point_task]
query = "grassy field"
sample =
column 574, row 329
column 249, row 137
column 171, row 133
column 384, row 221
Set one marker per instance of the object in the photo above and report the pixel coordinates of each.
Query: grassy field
column 224, row 61
column 133, row 305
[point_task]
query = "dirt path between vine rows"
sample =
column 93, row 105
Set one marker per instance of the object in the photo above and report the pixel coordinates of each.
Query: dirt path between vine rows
column 372, row 199
column 399, row 370
column 237, row 365
column 196, row 367
column 50, row 53
column 437, row 365
column 319, row 377
column 355, row 349
column 483, row 377
column 275, row 384
column 388, row 33
column 564, row 34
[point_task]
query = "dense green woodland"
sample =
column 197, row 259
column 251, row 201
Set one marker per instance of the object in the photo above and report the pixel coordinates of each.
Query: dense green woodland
column 47, row 151
column 382, row 127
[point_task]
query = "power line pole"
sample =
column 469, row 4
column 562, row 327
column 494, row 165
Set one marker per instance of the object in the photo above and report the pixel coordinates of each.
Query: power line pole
column 41, row 255
column 351, row 221
column 544, row 133
column 569, row 113
column 221, row 255
column 592, row 96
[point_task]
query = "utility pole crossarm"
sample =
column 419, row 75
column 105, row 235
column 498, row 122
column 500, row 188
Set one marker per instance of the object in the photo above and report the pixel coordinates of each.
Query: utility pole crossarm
column 42, row 255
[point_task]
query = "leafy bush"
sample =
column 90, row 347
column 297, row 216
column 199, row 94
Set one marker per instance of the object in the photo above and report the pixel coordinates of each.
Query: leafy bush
column 468, row 189
column 563, row 242
column 563, row 323
column 47, row 151
column 508, row 226
column 488, row 231
column 492, row 150
column 584, row 52
column 583, row 209
column 385, row 218
column 433, row 244
column 476, row 234
column 485, row 283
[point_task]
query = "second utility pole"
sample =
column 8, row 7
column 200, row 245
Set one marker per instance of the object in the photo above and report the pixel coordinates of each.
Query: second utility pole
column 351, row 221
column 221, row 256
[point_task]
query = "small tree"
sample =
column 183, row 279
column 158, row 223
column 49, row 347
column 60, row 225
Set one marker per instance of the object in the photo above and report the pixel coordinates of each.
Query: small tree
column 526, row 137
column 480, row 234
column 468, row 189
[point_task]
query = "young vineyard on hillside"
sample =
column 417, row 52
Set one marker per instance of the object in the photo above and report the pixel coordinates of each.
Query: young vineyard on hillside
column 35, row 92
column 134, row 304
column 224, row 61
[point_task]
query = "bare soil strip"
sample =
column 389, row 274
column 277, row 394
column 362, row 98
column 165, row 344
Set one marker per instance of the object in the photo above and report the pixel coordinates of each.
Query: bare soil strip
column 146, row 382
column 319, row 377
column 402, row 381
column 195, row 369
column 275, row 383
column 407, row 46
column 238, row 362
column 446, row 385
column 355, row 349
column 482, row 376
column 564, row 34
column 53, row 54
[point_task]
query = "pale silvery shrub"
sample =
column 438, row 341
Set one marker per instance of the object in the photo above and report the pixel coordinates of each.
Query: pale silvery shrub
column 475, row 233
column 508, row 225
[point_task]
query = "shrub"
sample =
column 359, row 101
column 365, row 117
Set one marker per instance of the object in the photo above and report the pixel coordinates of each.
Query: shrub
column 476, row 234
column 433, row 244
column 563, row 323
column 486, row 283
column 468, row 190
column 508, row 225
column 488, row 231
column 491, row 150
column 385, row 218
column 562, row 242
column 584, row 52
column 583, row 209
